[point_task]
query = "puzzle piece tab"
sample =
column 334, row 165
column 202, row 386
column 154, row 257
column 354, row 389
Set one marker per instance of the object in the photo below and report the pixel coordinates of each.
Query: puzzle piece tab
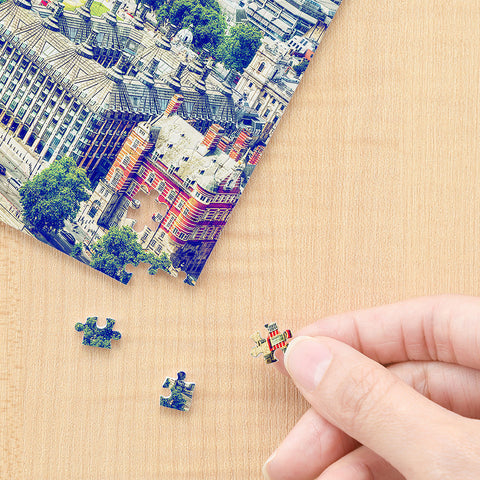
column 274, row 341
column 94, row 336
column 181, row 393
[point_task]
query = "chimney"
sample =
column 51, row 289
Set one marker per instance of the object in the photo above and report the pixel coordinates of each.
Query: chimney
column 174, row 104
column 241, row 145
column 213, row 136
column 224, row 143
column 257, row 153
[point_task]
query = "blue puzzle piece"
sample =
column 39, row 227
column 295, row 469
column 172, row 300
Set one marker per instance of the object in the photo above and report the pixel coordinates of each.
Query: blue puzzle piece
column 94, row 336
column 181, row 393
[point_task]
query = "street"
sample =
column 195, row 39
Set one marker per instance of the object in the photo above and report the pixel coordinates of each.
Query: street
column 9, row 192
column 16, row 171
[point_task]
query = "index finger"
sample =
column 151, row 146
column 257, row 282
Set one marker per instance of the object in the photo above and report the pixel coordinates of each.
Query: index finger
column 442, row 328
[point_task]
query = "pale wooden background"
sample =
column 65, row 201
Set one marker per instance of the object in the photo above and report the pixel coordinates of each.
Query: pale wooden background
column 368, row 193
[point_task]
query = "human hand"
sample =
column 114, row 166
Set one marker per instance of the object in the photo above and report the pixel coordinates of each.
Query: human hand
column 395, row 393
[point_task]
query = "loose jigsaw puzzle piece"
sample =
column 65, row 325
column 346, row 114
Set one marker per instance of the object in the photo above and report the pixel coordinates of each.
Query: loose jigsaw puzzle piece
column 95, row 336
column 181, row 393
column 274, row 341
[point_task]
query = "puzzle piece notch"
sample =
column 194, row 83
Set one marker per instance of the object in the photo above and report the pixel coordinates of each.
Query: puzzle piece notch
column 95, row 336
column 139, row 269
column 181, row 393
column 274, row 341
column 152, row 268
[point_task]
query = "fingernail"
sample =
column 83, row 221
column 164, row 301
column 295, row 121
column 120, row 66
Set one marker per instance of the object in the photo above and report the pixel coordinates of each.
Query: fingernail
column 307, row 360
column 265, row 466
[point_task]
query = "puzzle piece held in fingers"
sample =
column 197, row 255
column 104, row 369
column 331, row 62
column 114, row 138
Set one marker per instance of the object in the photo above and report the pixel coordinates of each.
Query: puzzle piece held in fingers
column 274, row 341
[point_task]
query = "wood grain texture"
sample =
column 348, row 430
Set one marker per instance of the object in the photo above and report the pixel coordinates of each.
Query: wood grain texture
column 367, row 194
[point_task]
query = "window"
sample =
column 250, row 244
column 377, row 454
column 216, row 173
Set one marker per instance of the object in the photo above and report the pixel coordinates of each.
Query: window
column 265, row 95
column 273, row 101
column 170, row 220
column 171, row 195
column 188, row 182
column 267, row 112
column 151, row 178
column 141, row 171
column 94, row 208
column 250, row 85
column 135, row 144
column 131, row 188
column 210, row 215
column 257, row 107
column 116, row 177
column 161, row 186
column 172, row 169
column 125, row 161
column 261, row 66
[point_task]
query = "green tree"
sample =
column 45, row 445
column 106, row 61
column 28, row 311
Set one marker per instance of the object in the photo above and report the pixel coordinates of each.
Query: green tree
column 208, row 23
column 54, row 195
column 301, row 67
column 162, row 262
column 77, row 250
column 115, row 250
column 239, row 47
column 153, row 4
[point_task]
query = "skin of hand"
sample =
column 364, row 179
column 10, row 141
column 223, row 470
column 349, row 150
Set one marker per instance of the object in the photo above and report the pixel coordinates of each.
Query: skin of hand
column 394, row 394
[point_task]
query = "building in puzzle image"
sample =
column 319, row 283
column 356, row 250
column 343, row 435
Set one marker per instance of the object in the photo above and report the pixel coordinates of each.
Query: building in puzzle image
column 105, row 105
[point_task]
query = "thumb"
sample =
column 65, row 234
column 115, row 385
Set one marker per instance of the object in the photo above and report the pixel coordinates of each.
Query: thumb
column 369, row 403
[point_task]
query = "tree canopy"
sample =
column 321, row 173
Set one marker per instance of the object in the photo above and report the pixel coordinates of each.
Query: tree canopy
column 54, row 195
column 208, row 23
column 153, row 4
column 157, row 263
column 120, row 247
column 115, row 250
column 239, row 47
column 301, row 67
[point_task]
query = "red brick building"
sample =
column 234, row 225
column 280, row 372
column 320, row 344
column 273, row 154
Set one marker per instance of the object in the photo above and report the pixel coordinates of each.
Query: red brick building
column 195, row 184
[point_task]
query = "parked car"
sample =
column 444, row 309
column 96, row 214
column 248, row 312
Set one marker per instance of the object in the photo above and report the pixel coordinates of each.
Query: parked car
column 3, row 170
column 68, row 237
column 16, row 184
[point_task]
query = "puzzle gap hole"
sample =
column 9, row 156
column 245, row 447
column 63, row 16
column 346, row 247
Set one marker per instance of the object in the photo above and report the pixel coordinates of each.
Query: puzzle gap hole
column 146, row 211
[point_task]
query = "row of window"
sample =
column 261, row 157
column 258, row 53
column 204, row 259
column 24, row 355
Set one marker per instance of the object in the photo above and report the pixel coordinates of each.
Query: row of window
column 40, row 89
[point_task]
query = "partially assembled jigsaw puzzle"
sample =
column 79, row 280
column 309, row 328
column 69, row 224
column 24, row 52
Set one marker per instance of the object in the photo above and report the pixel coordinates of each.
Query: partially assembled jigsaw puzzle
column 128, row 137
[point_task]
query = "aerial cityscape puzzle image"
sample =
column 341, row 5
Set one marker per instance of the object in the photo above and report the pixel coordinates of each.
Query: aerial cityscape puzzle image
column 109, row 109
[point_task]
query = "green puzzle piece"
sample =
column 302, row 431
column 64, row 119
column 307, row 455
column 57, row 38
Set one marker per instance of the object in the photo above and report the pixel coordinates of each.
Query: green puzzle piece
column 94, row 336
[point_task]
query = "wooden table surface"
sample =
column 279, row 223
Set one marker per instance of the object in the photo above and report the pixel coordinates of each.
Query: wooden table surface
column 368, row 193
